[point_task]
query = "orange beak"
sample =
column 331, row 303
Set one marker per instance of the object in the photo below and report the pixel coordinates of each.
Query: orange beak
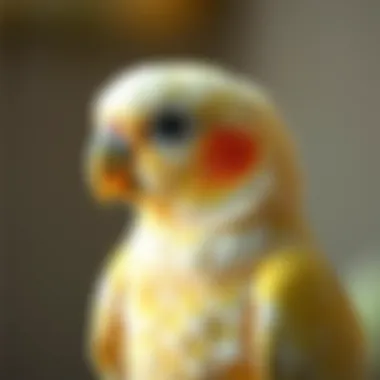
column 108, row 167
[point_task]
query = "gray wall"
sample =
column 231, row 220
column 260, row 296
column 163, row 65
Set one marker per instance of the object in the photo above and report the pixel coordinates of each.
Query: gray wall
column 319, row 58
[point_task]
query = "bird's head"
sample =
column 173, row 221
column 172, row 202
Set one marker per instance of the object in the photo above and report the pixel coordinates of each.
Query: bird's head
column 195, row 139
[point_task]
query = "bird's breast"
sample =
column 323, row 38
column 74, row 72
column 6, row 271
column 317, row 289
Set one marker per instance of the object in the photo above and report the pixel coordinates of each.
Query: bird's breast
column 182, row 323
column 183, row 327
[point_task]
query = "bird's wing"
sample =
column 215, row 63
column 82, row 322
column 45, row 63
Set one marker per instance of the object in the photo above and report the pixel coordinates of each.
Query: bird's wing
column 305, row 327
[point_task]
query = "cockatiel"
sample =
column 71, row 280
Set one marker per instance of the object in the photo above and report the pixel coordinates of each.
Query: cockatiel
column 218, row 277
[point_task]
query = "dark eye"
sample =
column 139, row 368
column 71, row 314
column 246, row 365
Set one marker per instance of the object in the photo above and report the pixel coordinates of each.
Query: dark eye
column 172, row 126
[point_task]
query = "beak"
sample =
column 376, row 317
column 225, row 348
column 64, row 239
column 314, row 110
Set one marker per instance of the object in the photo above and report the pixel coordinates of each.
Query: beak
column 108, row 167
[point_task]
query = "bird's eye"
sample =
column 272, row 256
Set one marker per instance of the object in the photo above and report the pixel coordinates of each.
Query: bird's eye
column 172, row 126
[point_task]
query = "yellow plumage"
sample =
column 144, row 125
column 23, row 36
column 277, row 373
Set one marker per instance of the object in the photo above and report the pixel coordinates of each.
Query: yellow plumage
column 308, row 317
column 218, row 277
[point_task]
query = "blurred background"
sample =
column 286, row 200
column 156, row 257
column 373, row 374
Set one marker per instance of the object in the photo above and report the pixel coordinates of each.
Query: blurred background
column 321, row 61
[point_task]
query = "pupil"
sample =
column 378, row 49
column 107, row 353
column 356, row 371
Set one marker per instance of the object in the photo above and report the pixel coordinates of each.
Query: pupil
column 171, row 126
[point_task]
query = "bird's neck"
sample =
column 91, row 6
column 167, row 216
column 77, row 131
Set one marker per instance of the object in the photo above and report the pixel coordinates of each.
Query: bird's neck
column 279, row 225
column 227, row 251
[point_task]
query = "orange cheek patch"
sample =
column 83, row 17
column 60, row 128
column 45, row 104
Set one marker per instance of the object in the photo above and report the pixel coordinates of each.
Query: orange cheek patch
column 228, row 154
